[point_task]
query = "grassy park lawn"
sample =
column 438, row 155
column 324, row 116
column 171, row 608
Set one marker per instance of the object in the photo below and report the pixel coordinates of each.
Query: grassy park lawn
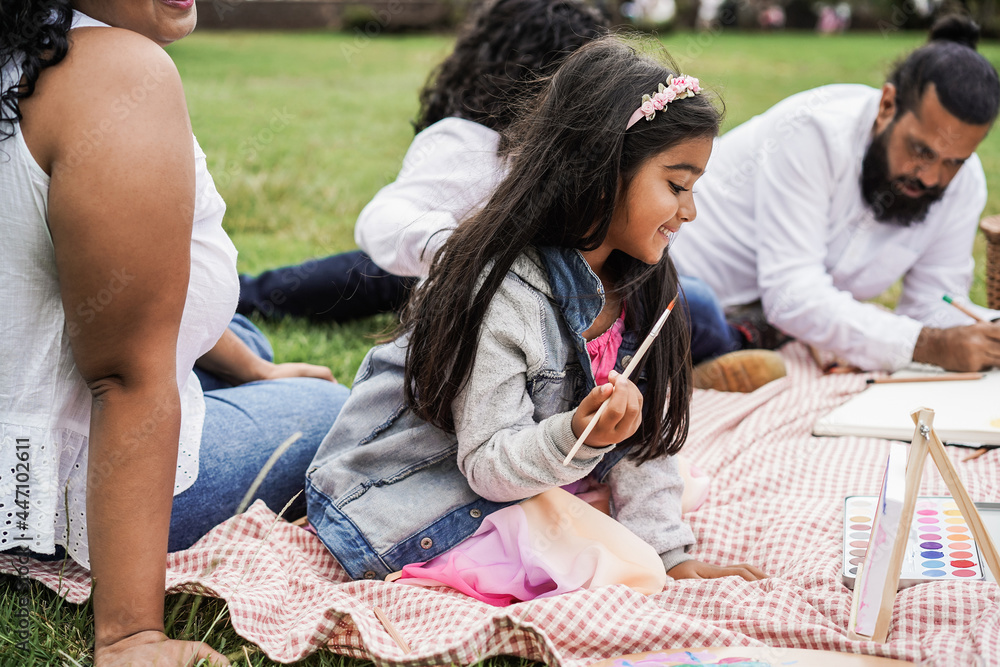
column 301, row 130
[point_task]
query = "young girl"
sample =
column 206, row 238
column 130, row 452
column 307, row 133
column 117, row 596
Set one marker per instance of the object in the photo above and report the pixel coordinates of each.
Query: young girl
column 518, row 335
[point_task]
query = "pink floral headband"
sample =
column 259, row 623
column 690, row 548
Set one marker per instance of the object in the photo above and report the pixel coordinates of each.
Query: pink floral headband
column 677, row 88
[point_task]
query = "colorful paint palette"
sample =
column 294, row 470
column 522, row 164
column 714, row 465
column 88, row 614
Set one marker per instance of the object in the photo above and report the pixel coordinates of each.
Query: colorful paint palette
column 940, row 547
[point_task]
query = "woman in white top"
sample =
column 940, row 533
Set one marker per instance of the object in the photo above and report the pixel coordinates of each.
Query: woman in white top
column 116, row 279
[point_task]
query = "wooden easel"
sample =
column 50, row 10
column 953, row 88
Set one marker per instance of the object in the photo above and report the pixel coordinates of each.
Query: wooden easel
column 925, row 441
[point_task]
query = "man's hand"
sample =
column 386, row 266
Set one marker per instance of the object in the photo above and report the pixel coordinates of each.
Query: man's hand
column 971, row 348
column 693, row 569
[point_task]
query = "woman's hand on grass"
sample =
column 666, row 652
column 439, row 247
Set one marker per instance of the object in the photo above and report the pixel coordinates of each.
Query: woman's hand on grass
column 155, row 649
column 237, row 364
column 297, row 370
column 693, row 569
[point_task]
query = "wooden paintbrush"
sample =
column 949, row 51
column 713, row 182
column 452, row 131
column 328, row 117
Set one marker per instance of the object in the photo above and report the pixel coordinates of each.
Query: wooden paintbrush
column 636, row 358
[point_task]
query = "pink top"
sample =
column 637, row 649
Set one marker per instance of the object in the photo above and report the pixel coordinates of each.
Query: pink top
column 603, row 350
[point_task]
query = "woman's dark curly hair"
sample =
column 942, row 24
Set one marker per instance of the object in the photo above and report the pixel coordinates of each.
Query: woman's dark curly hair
column 499, row 56
column 33, row 35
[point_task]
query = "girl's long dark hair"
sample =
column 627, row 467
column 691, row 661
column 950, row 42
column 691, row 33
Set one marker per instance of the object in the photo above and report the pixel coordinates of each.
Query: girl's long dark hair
column 570, row 163
column 33, row 33
column 500, row 53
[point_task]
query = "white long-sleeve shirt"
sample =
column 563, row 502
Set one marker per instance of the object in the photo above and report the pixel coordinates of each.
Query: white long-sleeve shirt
column 781, row 219
column 449, row 171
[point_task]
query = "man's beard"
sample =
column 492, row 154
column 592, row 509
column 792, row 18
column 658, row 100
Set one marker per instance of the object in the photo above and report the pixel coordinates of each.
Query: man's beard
column 884, row 195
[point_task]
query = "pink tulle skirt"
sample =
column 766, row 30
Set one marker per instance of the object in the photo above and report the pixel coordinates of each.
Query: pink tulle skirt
column 556, row 542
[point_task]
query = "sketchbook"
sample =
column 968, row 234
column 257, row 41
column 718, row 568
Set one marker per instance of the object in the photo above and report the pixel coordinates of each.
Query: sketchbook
column 968, row 412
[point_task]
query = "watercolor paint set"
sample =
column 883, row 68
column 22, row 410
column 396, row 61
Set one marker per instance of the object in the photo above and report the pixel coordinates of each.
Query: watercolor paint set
column 940, row 546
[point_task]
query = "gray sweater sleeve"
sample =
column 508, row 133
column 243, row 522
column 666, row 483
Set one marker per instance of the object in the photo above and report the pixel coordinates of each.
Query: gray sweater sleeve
column 502, row 450
column 647, row 500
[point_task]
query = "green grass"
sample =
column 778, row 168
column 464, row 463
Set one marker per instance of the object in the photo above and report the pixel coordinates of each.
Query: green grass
column 302, row 130
column 343, row 109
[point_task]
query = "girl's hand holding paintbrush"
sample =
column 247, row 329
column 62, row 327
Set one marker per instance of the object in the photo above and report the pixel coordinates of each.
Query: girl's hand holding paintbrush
column 619, row 420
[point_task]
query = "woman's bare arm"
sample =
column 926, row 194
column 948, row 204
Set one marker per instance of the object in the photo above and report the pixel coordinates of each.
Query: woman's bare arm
column 111, row 125
column 236, row 363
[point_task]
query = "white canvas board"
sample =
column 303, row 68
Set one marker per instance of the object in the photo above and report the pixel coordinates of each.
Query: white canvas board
column 965, row 412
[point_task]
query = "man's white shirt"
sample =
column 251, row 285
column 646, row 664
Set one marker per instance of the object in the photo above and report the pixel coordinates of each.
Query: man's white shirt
column 449, row 172
column 781, row 219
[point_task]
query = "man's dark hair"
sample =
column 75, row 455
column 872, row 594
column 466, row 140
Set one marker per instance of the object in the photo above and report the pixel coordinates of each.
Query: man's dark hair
column 965, row 81
column 500, row 55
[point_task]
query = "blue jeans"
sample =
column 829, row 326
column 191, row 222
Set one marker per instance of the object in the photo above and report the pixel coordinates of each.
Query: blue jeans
column 337, row 288
column 243, row 426
column 711, row 335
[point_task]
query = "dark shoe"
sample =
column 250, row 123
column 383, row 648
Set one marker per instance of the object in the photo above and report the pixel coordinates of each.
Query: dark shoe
column 743, row 371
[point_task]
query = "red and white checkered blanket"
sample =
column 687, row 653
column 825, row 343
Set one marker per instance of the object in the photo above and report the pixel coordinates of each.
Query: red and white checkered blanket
column 776, row 501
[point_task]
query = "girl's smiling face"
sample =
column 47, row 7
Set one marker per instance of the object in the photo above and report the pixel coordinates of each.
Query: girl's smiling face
column 658, row 201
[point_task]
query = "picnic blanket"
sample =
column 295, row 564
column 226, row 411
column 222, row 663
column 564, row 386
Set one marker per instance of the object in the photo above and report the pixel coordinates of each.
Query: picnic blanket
column 776, row 501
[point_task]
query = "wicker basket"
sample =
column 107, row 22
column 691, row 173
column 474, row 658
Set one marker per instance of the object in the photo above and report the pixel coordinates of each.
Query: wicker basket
column 991, row 229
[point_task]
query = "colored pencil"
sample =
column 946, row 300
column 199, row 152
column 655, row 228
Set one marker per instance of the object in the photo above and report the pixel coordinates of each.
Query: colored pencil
column 947, row 299
column 636, row 358
column 944, row 377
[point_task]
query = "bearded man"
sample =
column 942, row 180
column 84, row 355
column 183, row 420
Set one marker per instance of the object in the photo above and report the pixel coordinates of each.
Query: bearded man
column 834, row 194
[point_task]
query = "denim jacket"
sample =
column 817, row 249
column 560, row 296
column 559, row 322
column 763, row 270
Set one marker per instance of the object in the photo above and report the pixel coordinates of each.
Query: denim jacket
column 387, row 489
